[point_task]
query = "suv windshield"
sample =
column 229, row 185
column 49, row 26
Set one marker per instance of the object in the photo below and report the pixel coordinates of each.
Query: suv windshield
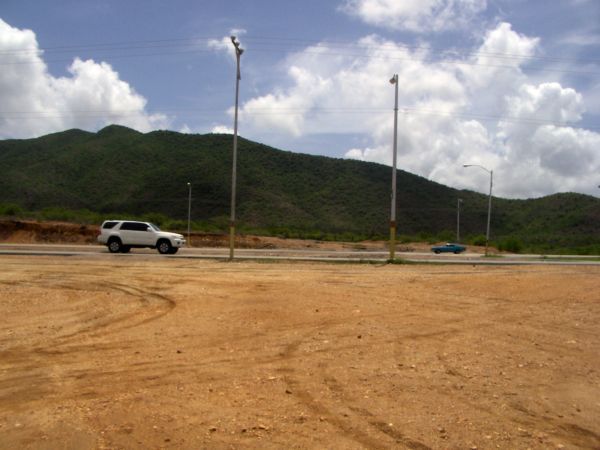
column 155, row 227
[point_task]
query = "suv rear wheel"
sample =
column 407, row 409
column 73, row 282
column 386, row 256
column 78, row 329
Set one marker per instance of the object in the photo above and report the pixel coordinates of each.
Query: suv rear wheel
column 114, row 245
column 164, row 247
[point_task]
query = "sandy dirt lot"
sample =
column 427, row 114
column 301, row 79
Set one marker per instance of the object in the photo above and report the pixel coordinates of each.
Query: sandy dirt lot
column 131, row 351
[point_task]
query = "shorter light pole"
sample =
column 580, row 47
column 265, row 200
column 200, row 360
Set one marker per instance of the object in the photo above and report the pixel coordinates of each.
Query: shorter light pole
column 458, row 202
column 487, row 233
column 189, row 212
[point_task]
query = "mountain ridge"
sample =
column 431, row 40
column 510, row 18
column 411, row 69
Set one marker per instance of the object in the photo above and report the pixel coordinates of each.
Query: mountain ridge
column 122, row 171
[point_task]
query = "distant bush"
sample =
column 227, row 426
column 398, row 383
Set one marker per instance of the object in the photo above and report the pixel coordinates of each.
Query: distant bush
column 446, row 236
column 477, row 240
column 156, row 218
column 405, row 239
column 220, row 222
column 426, row 237
column 68, row 215
column 178, row 225
column 10, row 209
column 510, row 244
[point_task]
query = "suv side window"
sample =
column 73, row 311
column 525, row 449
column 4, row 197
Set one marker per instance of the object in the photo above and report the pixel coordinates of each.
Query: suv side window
column 134, row 226
column 109, row 225
column 141, row 226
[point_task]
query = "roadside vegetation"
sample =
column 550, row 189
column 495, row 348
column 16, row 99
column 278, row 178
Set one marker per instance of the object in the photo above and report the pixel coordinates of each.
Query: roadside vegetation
column 511, row 244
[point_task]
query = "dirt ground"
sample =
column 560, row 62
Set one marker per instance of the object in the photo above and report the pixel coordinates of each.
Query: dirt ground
column 117, row 351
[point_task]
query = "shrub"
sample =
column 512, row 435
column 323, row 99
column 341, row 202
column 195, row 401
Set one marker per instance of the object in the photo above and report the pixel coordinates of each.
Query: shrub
column 56, row 213
column 477, row 240
column 179, row 225
column 446, row 236
column 156, row 218
column 68, row 215
column 511, row 244
column 10, row 209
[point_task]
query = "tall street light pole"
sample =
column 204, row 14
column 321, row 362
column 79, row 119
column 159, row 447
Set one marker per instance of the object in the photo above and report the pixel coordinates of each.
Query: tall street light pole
column 458, row 202
column 189, row 212
column 394, row 81
column 238, row 53
column 487, row 233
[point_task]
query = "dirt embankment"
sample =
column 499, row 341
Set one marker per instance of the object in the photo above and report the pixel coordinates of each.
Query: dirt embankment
column 32, row 232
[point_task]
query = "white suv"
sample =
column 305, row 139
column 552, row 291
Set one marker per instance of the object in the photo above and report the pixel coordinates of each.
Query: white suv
column 120, row 236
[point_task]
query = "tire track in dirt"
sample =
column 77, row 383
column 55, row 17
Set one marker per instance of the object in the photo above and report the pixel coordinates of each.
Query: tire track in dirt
column 368, row 420
column 163, row 304
column 455, row 325
column 32, row 365
column 365, row 417
column 344, row 425
column 572, row 433
column 151, row 307
column 306, row 398
column 527, row 419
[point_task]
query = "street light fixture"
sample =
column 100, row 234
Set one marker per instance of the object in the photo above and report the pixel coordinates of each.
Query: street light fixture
column 189, row 212
column 238, row 53
column 394, row 81
column 458, row 202
column 487, row 233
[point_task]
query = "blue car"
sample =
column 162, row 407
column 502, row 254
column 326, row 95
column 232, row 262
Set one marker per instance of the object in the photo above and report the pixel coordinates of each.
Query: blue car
column 448, row 248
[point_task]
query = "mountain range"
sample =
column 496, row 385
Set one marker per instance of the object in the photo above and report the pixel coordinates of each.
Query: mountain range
column 121, row 172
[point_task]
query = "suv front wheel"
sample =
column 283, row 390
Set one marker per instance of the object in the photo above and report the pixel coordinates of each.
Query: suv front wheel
column 164, row 247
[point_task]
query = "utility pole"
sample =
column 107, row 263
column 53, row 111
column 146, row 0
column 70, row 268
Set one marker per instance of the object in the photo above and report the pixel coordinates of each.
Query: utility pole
column 487, row 233
column 238, row 53
column 189, row 242
column 458, row 202
column 489, row 214
column 394, row 81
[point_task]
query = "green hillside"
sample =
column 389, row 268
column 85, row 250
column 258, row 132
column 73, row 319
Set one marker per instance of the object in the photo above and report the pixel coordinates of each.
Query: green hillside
column 121, row 171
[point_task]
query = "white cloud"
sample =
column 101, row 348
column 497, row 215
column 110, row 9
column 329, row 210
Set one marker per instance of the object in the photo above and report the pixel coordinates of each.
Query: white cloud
column 416, row 15
column 547, row 158
column 545, row 102
column 35, row 103
column 493, row 71
column 221, row 129
column 484, row 111
column 330, row 92
column 568, row 152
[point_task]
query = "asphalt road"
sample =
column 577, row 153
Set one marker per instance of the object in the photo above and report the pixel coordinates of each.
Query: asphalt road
column 299, row 254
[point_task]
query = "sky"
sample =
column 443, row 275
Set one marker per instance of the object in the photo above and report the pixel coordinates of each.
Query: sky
column 510, row 85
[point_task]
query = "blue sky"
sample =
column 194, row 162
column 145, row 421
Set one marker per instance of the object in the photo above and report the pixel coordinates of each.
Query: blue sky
column 512, row 85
